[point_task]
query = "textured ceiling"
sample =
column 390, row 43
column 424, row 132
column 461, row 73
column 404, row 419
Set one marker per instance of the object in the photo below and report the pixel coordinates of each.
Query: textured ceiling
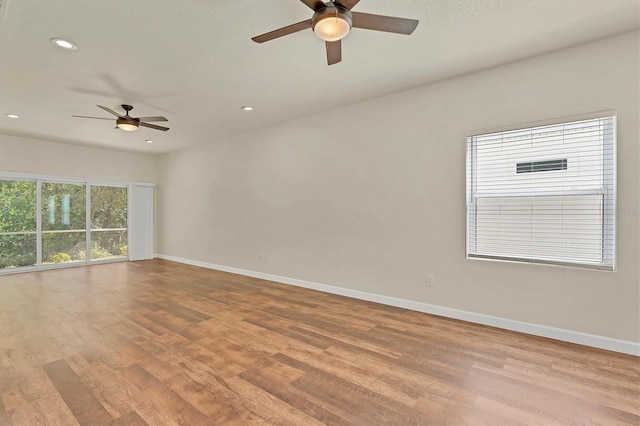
column 194, row 61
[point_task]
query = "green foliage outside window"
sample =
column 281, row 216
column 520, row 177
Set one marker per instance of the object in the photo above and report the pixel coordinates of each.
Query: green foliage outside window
column 18, row 217
column 17, row 206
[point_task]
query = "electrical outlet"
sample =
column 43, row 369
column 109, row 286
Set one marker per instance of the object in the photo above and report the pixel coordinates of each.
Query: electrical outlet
column 428, row 280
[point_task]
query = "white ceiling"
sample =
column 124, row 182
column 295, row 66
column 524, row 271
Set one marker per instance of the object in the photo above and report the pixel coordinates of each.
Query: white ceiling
column 194, row 61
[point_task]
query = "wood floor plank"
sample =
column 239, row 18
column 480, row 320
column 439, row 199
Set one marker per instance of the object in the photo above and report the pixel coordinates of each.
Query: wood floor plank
column 130, row 419
column 5, row 417
column 126, row 397
column 522, row 397
column 181, row 413
column 104, row 391
column 268, row 406
column 608, row 394
column 308, row 338
column 275, row 378
column 244, row 356
column 413, row 383
column 40, row 392
column 148, row 324
column 161, row 343
column 333, row 333
column 180, row 310
column 203, row 304
column 358, row 373
column 199, row 390
column 20, row 411
column 176, row 324
column 197, row 358
column 80, row 400
column 322, row 385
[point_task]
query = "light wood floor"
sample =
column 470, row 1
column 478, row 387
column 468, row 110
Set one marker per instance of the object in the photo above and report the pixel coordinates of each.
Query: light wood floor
column 162, row 343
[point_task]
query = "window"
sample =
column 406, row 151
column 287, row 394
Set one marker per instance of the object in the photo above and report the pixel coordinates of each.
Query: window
column 46, row 223
column 544, row 194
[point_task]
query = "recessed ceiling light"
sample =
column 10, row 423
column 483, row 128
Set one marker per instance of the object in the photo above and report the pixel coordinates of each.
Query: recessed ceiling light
column 246, row 108
column 148, row 141
column 65, row 44
column 12, row 115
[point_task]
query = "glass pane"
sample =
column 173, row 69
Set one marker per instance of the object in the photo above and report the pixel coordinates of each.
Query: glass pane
column 108, row 222
column 17, row 223
column 108, row 207
column 108, row 244
column 63, row 223
column 17, row 206
column 63, row 247
column 63, row 206
column 17, row 250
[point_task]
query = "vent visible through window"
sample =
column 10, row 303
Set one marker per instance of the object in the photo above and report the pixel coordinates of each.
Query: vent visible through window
column 542, row 166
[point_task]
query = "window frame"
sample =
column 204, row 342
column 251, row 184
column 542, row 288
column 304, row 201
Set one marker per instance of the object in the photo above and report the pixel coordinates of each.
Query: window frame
column 609, row 194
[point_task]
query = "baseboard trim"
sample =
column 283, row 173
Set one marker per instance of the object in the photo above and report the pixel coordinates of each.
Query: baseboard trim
column 615, row 345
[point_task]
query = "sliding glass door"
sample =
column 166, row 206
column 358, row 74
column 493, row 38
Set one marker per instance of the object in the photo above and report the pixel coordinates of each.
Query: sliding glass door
column 47, row 223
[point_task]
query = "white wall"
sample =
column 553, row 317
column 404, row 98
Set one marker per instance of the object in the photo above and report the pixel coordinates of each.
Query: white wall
column 371, row 197
column 24, row 155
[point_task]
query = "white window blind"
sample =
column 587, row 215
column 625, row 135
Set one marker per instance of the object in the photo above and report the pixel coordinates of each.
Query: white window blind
column 544, row 194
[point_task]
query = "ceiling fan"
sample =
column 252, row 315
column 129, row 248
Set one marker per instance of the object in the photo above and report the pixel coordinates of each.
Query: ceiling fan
column 128, row 123
column 333, row 20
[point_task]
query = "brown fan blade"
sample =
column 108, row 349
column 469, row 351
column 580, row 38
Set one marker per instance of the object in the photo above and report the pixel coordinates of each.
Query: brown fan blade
column 314, row 4
column 153, row 126
column 152, row 119
column 389, row 24
column 283, row 31
column 97, row 118
column 334, row 52
column 110, row 111
column 349, row 4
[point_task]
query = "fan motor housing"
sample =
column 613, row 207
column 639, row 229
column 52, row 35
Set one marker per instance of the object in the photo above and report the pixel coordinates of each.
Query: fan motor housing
column 331, row 11
column 127, row 120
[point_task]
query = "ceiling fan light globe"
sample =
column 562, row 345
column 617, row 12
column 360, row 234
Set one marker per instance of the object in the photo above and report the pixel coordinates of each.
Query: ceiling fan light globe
column 127, row 126
column 332, row 28
column 331, row 23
